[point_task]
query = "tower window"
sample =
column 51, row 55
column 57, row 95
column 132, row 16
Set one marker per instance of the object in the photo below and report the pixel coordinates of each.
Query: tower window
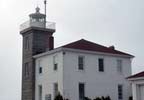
column 27, row 45
column 40, row 66
column 101, row 64
column 81, row 63
column 26, row 69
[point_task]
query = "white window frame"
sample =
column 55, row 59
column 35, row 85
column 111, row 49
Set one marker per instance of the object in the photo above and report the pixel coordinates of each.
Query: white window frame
column 120, row 91
column 119, row 65
column 55, row 62
column 103, row 65
column 79, row 63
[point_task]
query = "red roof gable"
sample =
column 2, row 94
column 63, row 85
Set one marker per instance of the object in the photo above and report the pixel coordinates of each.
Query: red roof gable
column 90, row 46
column 138, row 75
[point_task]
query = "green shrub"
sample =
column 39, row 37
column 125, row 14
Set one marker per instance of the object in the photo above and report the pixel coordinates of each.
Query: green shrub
column 97, row 98
column 58, row 97
column 130, row 98
column 87, row 98
column 102, row 98
column 108, row 98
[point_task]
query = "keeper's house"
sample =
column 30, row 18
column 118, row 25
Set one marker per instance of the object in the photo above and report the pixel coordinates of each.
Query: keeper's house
column 77, row 70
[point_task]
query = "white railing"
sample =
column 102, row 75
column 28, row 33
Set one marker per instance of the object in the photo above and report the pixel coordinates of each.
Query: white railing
column 27, row 24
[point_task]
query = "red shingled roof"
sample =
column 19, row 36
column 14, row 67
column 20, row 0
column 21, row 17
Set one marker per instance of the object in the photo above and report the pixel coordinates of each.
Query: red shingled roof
column 90, row 46
column 138, row 75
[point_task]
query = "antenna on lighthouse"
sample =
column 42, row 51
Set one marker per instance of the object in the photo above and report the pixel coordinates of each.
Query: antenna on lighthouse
column 45, row 3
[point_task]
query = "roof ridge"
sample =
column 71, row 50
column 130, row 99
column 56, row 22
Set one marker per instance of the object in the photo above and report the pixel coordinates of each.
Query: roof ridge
column 87, row 41
column 83, row 44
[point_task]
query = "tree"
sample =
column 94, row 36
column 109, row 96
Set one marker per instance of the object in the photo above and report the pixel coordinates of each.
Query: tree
column 103, row 98
column 86, row 98
column 97, row 98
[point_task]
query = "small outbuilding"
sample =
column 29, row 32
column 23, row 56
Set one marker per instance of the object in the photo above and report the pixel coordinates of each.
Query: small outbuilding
column 137, row 81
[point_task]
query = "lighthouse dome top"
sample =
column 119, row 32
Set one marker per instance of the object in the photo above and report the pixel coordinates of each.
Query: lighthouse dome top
column 37, row 14
column 37, row 20
column 37, row 9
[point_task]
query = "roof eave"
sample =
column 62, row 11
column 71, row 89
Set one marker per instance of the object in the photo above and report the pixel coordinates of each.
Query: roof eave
column 48, row 52
column 96, row 52
column 79, row 50
column 135, row 78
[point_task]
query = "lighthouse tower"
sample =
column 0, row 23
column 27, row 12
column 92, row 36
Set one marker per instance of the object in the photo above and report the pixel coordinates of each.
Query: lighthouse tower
column 37, row 36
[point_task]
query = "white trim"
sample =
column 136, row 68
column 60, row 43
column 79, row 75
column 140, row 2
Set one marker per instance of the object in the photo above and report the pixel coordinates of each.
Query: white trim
column 134, row 79
column 95, row 52
column 47, row 53
column 81, row 51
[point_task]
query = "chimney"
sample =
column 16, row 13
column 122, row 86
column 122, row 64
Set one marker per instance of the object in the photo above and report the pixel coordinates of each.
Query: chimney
column 51, row 43
column 112, row 47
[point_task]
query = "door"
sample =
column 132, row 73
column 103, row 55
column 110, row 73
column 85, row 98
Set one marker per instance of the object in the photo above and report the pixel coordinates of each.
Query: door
column 81, row 91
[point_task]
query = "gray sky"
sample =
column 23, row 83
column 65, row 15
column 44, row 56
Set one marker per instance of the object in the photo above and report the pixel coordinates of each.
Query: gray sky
column 107, row 22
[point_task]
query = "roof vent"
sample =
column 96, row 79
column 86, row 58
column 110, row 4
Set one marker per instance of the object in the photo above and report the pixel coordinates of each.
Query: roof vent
column 112, row 47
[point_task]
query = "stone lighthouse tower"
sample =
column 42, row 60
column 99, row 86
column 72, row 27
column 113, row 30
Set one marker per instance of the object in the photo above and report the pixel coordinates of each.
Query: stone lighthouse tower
column 37, row 36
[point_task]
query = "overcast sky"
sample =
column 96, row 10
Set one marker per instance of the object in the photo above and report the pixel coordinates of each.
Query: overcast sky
column 107, row 22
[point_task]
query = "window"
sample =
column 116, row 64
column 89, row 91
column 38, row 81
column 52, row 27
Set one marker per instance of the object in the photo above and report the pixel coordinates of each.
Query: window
column 27, row 46
column 48, row 97
column 55, row 66
column 40, row 70
column 81, row 63
column 101, row 64
column 55, row 89
column 40, row 92
column 120, row 92
column 119, row 65
column 40, row 67
column 81, row 91
column 26, row 69
column 55, row 60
